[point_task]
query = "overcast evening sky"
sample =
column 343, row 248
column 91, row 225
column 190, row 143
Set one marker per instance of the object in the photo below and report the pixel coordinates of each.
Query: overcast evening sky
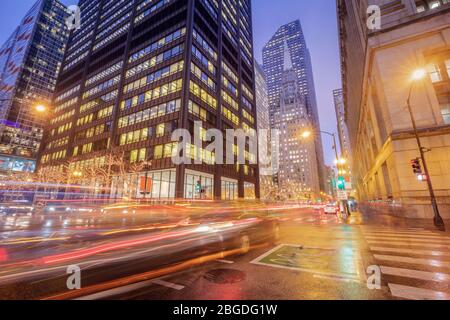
column 319, row 24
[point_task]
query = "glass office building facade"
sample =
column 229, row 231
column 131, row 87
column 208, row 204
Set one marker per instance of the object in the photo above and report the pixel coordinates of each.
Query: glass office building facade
column 138, row 70
column 29, row 63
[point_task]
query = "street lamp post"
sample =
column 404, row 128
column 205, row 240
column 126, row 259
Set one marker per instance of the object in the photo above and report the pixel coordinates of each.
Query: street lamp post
column 307, row 134
column 438, row 221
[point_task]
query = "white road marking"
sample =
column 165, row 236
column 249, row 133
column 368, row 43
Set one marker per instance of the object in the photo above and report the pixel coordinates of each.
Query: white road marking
column 129, row 288
column 117, row 291
column 415, row 274
column 411, row 242
column 413, row 293
column 409, row 239
column 411, row 251
column 400, row 236
column 408, row 244
column 359, row 273
column 225, row 261
column 336, row 278
column 168, row 284
column 412, row 233
column 394, row 230
column 426, row 262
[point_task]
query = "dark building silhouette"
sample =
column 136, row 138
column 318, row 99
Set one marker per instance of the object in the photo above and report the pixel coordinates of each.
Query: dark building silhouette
column 138, row 70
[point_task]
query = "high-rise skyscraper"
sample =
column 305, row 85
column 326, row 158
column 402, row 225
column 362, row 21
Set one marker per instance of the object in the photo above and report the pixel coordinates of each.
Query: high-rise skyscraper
column 29, row 64
column 263, row 120
column 138, row 70
column 344, row 140
column 273, row 65
column 298, row 175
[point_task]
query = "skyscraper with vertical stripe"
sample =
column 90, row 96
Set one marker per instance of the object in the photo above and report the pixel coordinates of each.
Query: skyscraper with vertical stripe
column 291, row 37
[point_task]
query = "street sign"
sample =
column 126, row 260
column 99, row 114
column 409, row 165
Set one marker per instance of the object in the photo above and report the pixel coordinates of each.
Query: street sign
column 342, row 195
column 348, row 185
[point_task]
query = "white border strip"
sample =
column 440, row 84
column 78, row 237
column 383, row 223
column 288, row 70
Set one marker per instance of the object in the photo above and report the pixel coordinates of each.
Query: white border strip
column 347, row 277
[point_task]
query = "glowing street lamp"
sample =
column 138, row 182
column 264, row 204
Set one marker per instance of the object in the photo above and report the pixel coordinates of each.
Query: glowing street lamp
column 340, row 161
column 416, row 76
column 306, row 134
column 77, row 174
column 41, row 108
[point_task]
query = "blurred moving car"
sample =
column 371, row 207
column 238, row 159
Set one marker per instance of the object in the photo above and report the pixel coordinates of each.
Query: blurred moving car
column 318, row 207
column 239, row 230
column 135, row 239
column 331, row 208
column 16, row 208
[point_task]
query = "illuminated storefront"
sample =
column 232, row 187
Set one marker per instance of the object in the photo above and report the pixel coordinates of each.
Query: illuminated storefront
column 145, row 185
column 229, row 189
column 17, row 164
column 198, row 185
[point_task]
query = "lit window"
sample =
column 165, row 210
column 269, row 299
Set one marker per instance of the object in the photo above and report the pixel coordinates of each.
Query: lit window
column 435, row 4
column 447, row 64
column 160, row 130
column 133, row 156
column 158, row 152
column 420, row 9
column 435, row 74
column 142, row 154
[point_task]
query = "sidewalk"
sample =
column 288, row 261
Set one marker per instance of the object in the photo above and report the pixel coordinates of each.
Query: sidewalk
column 388, row 220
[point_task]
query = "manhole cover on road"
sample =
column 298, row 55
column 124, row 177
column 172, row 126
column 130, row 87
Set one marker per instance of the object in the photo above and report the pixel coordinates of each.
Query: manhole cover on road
column 225, row 276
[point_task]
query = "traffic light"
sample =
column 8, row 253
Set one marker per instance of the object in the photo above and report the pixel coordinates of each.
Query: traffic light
column 198, row 187
column 416, row 166
column 341, row 183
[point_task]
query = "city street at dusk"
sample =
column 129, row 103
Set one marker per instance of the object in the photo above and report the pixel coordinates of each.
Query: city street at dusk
column 211, row 159
column 150, row 254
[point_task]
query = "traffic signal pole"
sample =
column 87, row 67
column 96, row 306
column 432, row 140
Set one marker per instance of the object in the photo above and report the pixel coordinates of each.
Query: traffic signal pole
column 344, row 203
column 438, row 221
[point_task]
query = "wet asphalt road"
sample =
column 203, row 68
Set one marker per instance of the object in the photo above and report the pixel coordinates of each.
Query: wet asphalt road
column 318, row 257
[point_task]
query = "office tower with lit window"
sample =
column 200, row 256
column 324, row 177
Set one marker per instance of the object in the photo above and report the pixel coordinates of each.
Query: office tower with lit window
column 273, row 65
column 29, row 64
column 298, row 176
column 138, row 70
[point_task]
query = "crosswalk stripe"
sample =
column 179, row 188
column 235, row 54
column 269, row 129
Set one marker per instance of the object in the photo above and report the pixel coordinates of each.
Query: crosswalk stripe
column 435, row 241
column 415, row 274
column 401, row 233
column 425, row 244
column 411, row 251
column 426, row 262
column 413, row 293
column 404, row 242
column 395, row 230
column 407, row 236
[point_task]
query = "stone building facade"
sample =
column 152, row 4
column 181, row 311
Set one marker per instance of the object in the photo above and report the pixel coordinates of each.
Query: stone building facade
column 377, row 68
